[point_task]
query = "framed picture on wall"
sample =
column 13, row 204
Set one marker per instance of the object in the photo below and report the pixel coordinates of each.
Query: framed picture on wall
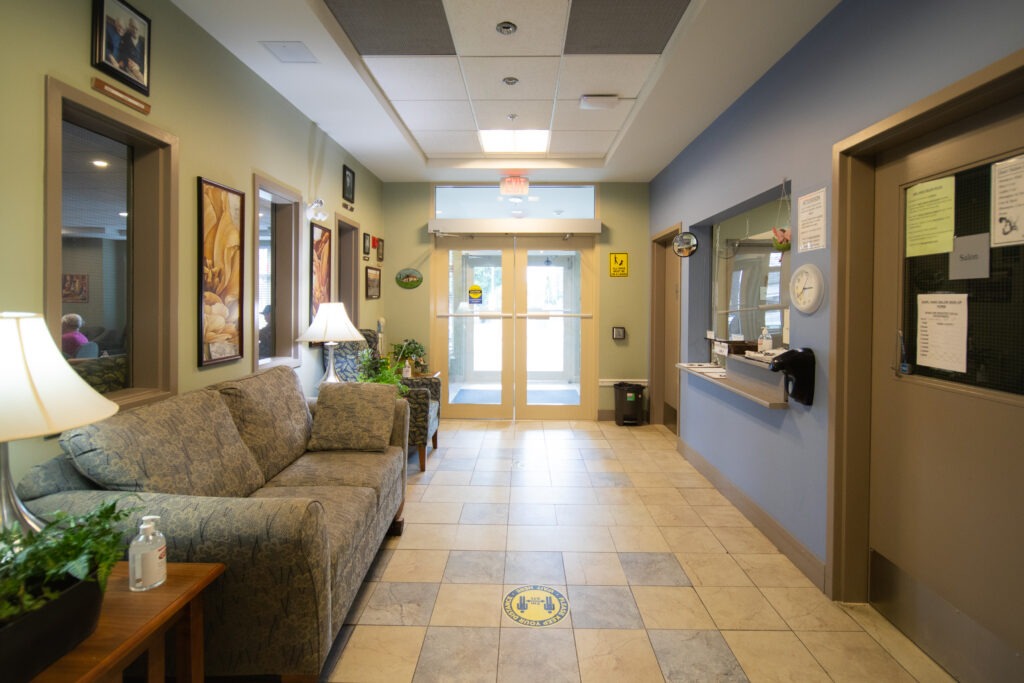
column 221, row 272
column 348, row 184
column 319, row 267
column 380, row 249
column 120, row 43
column 367, row 241
column 372, row 282
column 74, row 289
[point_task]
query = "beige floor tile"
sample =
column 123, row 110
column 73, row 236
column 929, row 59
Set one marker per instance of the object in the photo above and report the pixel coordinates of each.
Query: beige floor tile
column 636, row 463
column 920, row 665
column 679, row 514
column 461, row 453
column 532, row 514
column 630, row 515
column 359, row 604
column 467, row 604
column 428, row 537
column 484, row 513
column 671, row 607
column 593, row 569
column 712, row 569
column 744, row 540
column 606, row 464
column 649, row 480
column 491, row 478
column 614, row 656
column 722, row 515
column 432, row 513
column 414, row 493
column 771, row 570
column 466, row 494
column 494, row 465
column 380, row 654
column 638, row 539
column 767, row 657
column 704, row 496
column 691, row 539
column 553, row 495
column 452, row 654
column 611, row 496
column 854, row 656
column 528, row 655
column 688, row 480
column 584, row 515
column 740, row 608
column 480, row 537
column 416, row 565
column 660, row 496
column 452, row 477
column 807, row 609
column 565, row 538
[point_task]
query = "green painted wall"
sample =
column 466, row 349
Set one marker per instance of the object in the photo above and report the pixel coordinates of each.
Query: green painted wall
column 623, row 209
column 230, row 124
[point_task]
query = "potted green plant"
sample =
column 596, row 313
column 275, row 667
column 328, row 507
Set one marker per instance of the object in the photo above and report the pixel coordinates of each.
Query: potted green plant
column 379, row 371
column 51, row 586
column 411, row 350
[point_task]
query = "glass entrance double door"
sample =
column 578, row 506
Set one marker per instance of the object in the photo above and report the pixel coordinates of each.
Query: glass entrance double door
column 515, row 315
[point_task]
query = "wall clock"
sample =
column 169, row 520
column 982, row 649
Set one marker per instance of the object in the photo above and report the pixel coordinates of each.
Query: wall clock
column 807, row 288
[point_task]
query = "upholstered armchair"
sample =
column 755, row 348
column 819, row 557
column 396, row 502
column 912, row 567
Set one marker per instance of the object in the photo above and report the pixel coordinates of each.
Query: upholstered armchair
column 424, row 413
column 346, row 356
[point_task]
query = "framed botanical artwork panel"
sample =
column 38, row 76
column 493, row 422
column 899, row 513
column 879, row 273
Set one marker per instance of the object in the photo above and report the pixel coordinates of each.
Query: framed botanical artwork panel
column 319, row 267
column 372, row 282
column 348, row 184
column 221, row 272
column 120, row 43
column 74, row 288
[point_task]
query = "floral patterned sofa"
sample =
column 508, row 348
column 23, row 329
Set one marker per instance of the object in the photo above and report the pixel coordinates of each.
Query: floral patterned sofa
column 294, row 496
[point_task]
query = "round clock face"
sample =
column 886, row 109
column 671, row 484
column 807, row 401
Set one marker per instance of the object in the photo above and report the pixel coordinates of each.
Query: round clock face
column 807, row 288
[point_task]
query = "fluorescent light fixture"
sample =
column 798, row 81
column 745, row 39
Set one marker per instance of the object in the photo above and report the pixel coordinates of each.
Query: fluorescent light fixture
column 599, row 101
column 514, row 141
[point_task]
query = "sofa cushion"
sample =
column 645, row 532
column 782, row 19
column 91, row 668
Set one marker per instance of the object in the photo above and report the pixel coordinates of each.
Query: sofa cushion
column 381, row 472
column 186, row 444
column 353, row 416
column 271, row 414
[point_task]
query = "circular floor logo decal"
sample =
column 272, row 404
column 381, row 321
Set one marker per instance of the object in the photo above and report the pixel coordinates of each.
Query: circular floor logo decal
column 536, row 606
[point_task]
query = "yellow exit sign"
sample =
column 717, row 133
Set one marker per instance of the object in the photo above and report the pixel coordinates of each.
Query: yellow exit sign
column 618, row 265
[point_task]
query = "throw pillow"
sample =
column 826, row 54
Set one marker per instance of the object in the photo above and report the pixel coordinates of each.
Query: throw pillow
column 353, row 416
column 186, row 444
column 272, row 416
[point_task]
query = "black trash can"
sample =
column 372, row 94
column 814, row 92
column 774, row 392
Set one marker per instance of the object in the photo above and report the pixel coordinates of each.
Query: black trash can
column 629, row 403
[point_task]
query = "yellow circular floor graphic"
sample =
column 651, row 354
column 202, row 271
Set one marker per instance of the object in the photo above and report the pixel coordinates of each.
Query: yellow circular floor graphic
column 536, row 606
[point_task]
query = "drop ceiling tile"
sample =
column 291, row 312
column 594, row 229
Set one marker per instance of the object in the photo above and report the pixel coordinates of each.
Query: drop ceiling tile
column 587, row 143
column 418, row 78
column 493, row 114
column 541, row 27
column 569, row 116
column 536, row 77
column 439, row 143
column 436, row 115
column 621, row 75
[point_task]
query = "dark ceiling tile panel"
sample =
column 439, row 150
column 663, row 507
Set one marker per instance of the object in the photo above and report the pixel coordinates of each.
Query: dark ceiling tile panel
column 618, row 27
column 394, row 27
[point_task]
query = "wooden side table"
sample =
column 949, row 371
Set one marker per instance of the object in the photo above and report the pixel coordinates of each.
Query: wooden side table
column 135, row 623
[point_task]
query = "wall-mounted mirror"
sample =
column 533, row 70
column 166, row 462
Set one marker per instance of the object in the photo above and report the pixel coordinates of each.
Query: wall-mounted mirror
column 684, row 244
column 749, row 273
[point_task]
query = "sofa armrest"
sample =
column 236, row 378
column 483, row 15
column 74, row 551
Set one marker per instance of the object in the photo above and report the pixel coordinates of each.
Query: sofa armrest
column 270, row 612
column 400, row 436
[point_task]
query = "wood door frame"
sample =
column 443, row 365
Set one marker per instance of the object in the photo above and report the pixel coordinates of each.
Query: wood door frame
column 849, row 400
column 656, row 351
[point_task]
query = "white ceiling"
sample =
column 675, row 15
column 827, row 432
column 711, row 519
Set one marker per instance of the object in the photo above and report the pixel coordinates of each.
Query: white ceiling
column 415, row 117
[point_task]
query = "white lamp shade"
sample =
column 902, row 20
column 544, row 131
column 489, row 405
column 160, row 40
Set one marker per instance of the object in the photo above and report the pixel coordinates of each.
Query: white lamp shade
column 41, row 394
column 331, row 324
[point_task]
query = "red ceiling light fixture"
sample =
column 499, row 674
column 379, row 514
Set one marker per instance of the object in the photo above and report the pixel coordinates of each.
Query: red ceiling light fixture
column 515, row 185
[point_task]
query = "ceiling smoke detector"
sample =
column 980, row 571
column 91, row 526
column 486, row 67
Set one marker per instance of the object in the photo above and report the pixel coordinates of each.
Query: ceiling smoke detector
column 506, row 28
column 510, row 80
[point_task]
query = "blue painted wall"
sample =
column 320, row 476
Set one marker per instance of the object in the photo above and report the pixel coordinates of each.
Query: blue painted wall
column 867, row 60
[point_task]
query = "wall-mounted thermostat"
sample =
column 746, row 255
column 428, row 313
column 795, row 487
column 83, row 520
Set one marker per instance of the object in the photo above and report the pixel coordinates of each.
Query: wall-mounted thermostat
column 618, row 333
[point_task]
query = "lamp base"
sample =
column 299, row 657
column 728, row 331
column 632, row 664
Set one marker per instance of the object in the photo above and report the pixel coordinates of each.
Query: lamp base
column 12, row 510
column 331, row 376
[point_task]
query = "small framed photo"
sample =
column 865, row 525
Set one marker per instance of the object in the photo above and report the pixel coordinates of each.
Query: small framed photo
column 372, row 282
column 74, row 289
column 367, row 241
column 120, row 43
column 348, row 185
column 380, row 249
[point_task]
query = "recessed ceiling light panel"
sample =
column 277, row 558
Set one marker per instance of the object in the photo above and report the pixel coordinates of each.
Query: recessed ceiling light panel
column 515, row 141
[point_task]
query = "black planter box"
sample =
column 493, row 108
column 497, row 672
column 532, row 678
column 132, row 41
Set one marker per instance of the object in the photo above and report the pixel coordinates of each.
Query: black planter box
column 36, row 640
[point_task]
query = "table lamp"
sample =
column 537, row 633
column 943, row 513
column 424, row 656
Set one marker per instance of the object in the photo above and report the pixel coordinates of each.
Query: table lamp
column 41, row 394
column 331, row 325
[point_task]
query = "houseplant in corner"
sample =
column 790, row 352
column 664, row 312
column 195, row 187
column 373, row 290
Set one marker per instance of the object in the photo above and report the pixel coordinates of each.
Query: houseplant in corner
column 411, row 350
column 379, row 371
column 51, row 586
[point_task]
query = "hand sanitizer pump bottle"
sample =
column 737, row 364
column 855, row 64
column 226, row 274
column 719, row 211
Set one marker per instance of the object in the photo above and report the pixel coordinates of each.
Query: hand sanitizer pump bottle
column 147, row 557
column 764, row 342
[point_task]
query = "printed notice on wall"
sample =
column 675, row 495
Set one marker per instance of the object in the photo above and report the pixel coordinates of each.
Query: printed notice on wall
column 1008, row 202
column 942, row 331
column 930, row 217
column 810, row 221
